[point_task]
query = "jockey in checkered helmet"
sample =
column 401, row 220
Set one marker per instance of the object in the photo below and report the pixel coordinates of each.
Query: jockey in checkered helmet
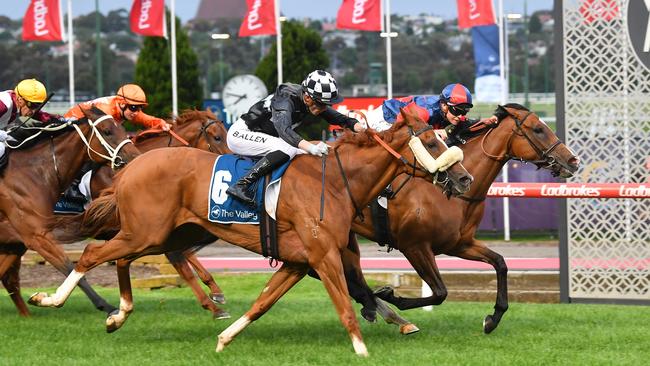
column 321, row 87
column 267, row 131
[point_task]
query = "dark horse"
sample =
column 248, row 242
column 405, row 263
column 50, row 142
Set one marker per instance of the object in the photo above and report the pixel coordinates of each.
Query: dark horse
column 424, row 223
column 31, row 183
column 197, row 129
column 358, row 168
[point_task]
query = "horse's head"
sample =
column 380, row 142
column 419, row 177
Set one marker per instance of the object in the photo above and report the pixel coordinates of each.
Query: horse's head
column 429, row 151
column 531, row 140
column 106, row 139
column 211, row 134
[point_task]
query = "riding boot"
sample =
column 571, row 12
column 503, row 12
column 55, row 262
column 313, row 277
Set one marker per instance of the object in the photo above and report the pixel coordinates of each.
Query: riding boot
column 242, row 189
column 73, row 193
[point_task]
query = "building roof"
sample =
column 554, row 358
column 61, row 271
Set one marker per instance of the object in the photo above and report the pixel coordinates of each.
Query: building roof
column 219, row 9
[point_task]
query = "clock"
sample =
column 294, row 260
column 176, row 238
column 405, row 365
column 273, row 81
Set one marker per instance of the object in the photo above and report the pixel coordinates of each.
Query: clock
column 241, row 92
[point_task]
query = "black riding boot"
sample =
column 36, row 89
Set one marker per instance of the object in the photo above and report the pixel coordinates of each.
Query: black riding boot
column 241, row 190
column 73, row 194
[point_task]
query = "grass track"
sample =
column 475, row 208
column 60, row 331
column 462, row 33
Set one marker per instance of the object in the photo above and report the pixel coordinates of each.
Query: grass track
column 168, row 328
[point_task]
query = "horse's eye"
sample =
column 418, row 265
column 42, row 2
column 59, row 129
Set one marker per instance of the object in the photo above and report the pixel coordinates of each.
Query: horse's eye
column 108, row 133
column 538, row 129
column 217, row 138
column 431, row 145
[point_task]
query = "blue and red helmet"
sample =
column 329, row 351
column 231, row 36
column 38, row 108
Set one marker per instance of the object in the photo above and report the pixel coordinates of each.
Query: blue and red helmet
column 457, row 95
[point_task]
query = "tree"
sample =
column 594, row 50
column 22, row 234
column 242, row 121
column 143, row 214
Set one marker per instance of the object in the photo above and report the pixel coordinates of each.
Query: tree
column 302, row 53
column 153, row 73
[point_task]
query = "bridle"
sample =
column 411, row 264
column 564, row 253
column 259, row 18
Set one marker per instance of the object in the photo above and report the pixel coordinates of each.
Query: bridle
column 545, row 159
column 398, row 156
column 113, row 157
column 204, row 133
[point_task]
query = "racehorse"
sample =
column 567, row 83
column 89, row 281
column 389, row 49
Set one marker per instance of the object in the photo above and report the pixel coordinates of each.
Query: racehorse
column 424, row 223
column 360, row 166
column 195, row 128
column 31, row 182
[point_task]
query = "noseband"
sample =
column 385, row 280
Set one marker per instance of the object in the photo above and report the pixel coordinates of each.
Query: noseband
column 204, row 133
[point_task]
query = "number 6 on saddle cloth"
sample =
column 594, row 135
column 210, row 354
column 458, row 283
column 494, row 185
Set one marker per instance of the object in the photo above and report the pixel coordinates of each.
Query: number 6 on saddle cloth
column 223, row 208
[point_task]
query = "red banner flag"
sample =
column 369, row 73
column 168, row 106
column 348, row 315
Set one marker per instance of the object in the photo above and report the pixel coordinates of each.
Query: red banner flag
column 43, row 21
column 148, row 18
column 593, row 10
column 472, row 13
column 359, row 14
column 260, row 18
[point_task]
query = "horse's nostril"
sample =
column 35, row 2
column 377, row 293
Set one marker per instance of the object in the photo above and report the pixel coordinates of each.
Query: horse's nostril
column 467, row 180
column 575, row 161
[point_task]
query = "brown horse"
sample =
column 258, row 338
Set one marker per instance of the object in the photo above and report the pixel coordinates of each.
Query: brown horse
column 358, row 169
column 31, row 183
column 195, row 128
column 424, row 223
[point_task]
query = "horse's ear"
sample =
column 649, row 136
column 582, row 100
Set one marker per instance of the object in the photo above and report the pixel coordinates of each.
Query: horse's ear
column 501, row 112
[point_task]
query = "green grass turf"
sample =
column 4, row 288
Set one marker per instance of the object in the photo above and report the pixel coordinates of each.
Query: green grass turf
column 169, row 328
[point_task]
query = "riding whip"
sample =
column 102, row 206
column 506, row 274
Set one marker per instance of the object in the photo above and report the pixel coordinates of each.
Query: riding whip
column 322, row 192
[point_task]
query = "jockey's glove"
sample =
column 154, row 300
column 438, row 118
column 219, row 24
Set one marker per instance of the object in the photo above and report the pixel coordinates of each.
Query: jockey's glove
column 319, row 149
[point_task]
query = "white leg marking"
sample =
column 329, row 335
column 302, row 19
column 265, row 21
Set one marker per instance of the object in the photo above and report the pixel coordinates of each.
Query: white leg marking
column 231, row 332
column 64, row 291
column 359, row 347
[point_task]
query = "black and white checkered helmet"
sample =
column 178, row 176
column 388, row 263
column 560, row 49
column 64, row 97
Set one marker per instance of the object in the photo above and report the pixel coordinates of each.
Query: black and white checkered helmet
column 321, row 86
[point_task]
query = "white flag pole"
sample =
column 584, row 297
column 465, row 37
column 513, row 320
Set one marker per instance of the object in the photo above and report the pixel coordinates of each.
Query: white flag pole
column 70, row 54
column 389, row 54
column 173, row 46
column 278, row 41
column 503, row 73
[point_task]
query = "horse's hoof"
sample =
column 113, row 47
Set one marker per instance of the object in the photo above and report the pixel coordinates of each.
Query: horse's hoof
column 221, row 314
column 111, row 323
column 408, row 329
column 384, row 293
column 108, row 309
column 221, row 344
column 36, row 298
column 218, row 298
column 489, row 324
column 369, row 315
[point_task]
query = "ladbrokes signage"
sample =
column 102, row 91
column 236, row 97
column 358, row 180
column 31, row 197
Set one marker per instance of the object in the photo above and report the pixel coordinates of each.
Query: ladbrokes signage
column 638, row 29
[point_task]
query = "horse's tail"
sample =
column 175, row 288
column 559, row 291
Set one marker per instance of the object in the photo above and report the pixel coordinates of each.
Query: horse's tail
column 102, row 215
column 100, row 221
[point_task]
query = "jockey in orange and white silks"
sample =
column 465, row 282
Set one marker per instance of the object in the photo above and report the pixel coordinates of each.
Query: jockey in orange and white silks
column 267, row 130
column 127, row 104
column 440, row 111
column 23, row 101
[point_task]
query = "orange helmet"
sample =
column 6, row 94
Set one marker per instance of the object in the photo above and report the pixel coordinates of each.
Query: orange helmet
column 132, row 94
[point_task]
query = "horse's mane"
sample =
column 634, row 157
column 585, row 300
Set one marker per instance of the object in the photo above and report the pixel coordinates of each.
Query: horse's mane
column 190, row 115
column 365, row 138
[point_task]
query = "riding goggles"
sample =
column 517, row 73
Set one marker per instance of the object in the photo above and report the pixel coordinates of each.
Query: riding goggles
column 134, row 107
column 458, row 110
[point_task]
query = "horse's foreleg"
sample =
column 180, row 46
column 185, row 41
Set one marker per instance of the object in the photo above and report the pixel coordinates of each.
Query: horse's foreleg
column 177, row 259
column 331, row 274
column 216, row 294
column 10, row 274
column 424, row 263
column 479, row 252
column 281, row 282
column 116, row 319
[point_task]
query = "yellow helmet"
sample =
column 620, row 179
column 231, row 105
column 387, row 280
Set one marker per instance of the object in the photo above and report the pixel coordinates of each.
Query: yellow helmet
column 132, row 94
column 31, row 90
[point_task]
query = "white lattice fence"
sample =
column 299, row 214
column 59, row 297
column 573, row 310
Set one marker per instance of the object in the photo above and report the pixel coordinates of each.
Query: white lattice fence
column 607, row 119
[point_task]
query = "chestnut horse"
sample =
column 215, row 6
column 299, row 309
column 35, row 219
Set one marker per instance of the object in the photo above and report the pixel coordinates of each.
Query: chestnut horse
column 31, row 183
column 360, row 166
column 424, row 223
column 195, row 128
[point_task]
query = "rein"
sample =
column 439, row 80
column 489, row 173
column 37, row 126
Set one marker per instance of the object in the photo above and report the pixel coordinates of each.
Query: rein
column 113, row 157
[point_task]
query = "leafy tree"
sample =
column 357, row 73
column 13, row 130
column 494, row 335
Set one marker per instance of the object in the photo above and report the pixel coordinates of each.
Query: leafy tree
column 153, row 73
column 302, row 53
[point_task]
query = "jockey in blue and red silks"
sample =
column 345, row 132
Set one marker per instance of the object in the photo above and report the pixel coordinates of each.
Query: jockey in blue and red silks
column 440, row 111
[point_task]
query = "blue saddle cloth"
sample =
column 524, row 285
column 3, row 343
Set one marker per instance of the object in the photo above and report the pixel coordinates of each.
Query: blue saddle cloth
column 222, row 207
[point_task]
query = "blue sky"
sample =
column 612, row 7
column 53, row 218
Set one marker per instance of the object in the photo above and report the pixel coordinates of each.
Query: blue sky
column 186, row 9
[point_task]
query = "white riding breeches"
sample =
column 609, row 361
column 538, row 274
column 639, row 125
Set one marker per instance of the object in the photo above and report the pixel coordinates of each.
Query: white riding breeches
column 243, row 141
column 375, row 120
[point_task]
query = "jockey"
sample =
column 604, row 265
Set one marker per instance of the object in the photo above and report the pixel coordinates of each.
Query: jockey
column 443, row 112
column 23, row 101
column 267, row 130
column 127, row 104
